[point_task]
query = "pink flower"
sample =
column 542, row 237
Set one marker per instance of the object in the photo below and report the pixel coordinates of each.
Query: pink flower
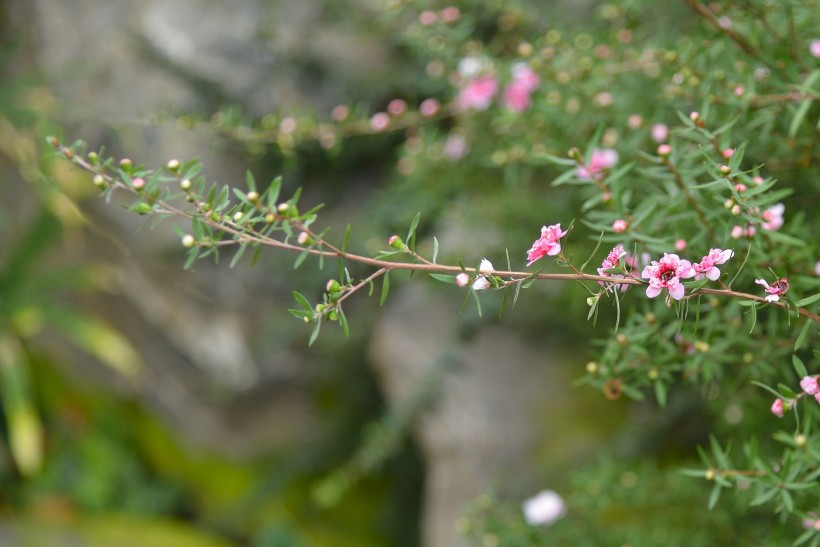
column 450, row 14
column 547, row 244
column 809, row 385
column 666, row 274
column 544, row 509
column 478, row 93
column 340, row 113
column 814, row 48
column 396, row 107
column 380, row 121
column 659, row 132
column 601, row 160
column 773, row 217
column 619, row 226
column 427, row 18
column 485, row 266
column 706, row 267
column 455, row 147
column 664, row 150
column 777, row 408
column 680, row 245
column 517, row 93
column 481, row 284
column 612, row 260
column 779, row 287
column 429, row 108
column 462, row 279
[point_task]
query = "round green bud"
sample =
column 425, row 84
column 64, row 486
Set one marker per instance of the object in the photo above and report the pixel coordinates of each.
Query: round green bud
column 185, row 184
column 188, row 241
column 173, row 165
column 99, row 181
column 125, row 164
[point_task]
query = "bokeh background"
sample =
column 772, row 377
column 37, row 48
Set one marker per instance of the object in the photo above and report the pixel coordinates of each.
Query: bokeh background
column 156, row 406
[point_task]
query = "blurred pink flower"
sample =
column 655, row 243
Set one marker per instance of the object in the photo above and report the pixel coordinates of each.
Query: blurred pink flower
column 814, row 48
column 478, row 93
column 450, row 14
column 544, row 509
column 396, row 107
column 659, row 132
column 462, row 279
column 809, row 385
column 601, row 160
column 379, row 121
column 706, row 267
column 773, row 217
column 547, row 244
column 780, row 286
column 427, row 18
column 666, row 274
column 777, row 408
column 680, row 245
column 455, row 147
column 619, row 226
column 429, row 108
column 517, row 94
column 481, row 284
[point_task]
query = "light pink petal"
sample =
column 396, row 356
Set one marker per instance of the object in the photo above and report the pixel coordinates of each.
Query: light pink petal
column 652, row 291
column 772, row 298
column 712, row 274
column 762, row 282
column 677, row 291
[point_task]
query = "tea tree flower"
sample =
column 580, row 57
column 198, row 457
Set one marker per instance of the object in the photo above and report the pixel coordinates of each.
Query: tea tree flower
column 773, row 217
column 544, row 509
column 810, row 385
column 666, row 274
column 706, row 267
column 486, row 266
column 601, row 160
column 547, row 244
column 478, row 93
column 779, row 287
column 481, row 284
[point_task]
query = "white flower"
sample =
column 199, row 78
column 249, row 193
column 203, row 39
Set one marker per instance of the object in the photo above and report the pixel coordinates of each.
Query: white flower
column 486, row 266
column 544, row 509
column 481, row 284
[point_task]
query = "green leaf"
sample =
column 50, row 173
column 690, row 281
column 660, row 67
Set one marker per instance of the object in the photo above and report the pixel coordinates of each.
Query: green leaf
column 445, row 278
column 249, row 181
column 799, row 367
column 714, row 496
column 801, row 338
column 302, row 301
column 317, row 326
column 385, row 288
column 435, row 249
column 411, row 233
column 273, row 191
column 808, row 300
column 660, row 392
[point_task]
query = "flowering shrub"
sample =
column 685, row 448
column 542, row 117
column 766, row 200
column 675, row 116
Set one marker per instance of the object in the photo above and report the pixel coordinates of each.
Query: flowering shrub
column 693, row 171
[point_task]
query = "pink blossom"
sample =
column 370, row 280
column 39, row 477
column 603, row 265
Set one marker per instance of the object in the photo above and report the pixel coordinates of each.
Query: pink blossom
column 680, row 245
column 462, row 279
column 517, row 93
column 706, row 267
column 740, row 231
column 773, row 217
column 634, row 121
column 397, row 107
column 619, row 226
column 340, row 113
column 778, row 408
column 664, row 150
column 485, row 266
column 427, row 18
column 547, row 244
column 659, row 132
column 481, row 284
column 455, row 147
column 758, row 180
column 379, row 121
column 612, row 260
column 450, row 14
column 601, row 160
column 779, row 287
column 728, row 153
column 666, row 274
column 809, row 385
column 739, row 91
column 544, row 509
column 478, row 93
column 814, row 48
column 740, row 187
column 429, row 108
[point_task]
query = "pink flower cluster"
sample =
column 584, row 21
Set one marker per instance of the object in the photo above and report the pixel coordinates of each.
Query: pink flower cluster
column 601, row 160
column 478, row 93
column 706, row 267
column 517, row 94
column 810, row 386
column 613, row 260
column 547, row 244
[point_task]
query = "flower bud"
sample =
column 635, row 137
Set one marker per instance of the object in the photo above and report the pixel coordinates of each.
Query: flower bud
column 332, row 285
column 664, row 150
column 652, row 374
column 252, row 197
column 396, row 242
column 462, row 279
column 125, row 164
column 591, row 301
column 800, row 440
column 592, row 367
column 99, row 181
column 138, row 184
column 270, row 218
column 725, row 170
column 173, row 165
column 282, row 207
column 575, row 154
column 237, row 216
column 188, row 241
column 93, row 158
column 729, row 203
column 736, row 209
column 185, row 184
column 304, row 238
column 53, row 141
column 650, row 318
column 622, row 340
column 709, row 475
column 619, row 226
